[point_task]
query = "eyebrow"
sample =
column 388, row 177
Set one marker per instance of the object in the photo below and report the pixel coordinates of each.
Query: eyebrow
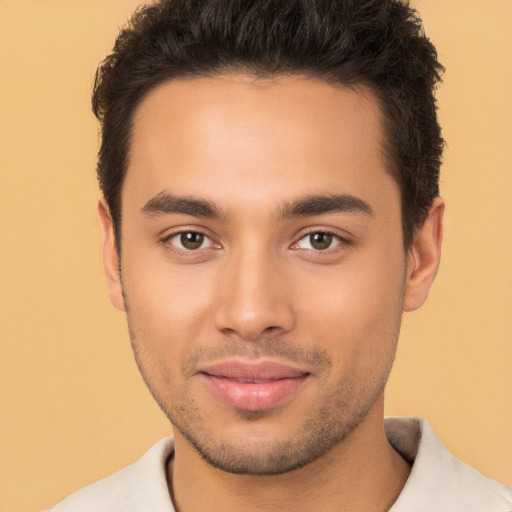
column 167, row 204
column 324, row 204
column 320, row 204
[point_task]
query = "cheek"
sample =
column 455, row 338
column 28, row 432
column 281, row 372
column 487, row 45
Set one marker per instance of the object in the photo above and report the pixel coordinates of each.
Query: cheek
column 168, row 307
column 356, row 308
column 166, row 318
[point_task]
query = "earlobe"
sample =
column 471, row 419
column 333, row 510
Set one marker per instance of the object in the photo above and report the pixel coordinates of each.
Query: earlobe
column 110, row 256
column 423, row 257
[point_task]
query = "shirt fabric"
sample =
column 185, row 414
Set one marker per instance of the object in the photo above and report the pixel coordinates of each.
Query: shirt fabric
column 438, row 482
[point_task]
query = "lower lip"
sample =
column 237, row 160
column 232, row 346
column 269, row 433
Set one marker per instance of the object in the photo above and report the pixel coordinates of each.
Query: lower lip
column 251, row 396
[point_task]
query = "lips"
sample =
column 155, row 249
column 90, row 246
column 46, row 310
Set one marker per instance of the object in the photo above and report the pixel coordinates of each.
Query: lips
column 251, row 385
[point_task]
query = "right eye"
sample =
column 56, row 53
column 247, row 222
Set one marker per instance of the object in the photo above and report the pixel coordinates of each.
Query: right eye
column 190, row 241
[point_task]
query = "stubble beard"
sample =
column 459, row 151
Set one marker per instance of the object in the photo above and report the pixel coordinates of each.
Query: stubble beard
column 338, row 415
column 339, row 412
column 315, row 437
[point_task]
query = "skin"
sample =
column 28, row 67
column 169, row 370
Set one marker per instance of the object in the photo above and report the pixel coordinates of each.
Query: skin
column 259, row 287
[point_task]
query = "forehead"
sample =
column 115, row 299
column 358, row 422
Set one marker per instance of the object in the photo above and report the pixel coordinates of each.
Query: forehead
column 235, row 135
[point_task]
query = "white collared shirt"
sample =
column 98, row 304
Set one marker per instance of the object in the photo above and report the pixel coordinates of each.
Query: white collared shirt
column 438, row 482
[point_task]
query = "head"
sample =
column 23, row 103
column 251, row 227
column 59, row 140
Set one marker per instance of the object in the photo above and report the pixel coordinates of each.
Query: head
column 264, row 164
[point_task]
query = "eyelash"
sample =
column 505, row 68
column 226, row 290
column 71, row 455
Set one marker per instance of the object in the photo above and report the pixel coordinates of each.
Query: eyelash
column 189, row 252
column 340, row 245
column 342, row 241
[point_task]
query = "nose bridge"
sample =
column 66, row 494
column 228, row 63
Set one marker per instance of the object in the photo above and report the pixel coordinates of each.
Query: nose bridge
column 253, row 299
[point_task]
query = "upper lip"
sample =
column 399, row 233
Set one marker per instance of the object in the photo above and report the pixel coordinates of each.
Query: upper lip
column 257, row 370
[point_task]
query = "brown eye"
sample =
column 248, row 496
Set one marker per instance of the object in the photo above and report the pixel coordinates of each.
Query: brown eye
column 318, row 241
column 191, row 240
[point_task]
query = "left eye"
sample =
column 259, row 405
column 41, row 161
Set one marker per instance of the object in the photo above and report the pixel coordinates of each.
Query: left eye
column 190, row 240
column 318, row 241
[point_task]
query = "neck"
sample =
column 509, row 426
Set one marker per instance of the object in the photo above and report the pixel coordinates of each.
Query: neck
column 362, row 473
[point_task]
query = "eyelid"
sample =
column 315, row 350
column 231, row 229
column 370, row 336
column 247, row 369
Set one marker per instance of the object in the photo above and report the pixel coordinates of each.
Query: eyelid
column 165, row 240
column 335, row 241
column 343, row 240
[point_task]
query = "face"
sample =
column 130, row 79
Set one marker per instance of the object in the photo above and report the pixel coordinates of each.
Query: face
column 263, row 269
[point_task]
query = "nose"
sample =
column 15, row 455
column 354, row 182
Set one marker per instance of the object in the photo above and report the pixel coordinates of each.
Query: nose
column 253, row 300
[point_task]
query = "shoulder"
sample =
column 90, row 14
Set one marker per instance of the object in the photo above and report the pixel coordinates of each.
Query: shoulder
column 439, row 481
column 140, row 486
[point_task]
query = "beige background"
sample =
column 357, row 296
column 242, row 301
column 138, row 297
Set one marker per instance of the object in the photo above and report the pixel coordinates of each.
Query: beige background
column 73, row 408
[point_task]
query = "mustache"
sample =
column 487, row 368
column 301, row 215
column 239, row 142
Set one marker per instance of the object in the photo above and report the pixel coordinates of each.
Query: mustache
column 314, row 358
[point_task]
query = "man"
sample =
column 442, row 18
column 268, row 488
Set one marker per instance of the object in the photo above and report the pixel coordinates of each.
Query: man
column 271, row 206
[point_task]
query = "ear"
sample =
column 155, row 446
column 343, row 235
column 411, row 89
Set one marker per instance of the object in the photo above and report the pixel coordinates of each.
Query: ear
column 110, row 256
column 423, row 257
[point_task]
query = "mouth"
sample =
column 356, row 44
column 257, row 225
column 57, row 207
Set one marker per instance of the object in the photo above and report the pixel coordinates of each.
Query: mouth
column 253, row 386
